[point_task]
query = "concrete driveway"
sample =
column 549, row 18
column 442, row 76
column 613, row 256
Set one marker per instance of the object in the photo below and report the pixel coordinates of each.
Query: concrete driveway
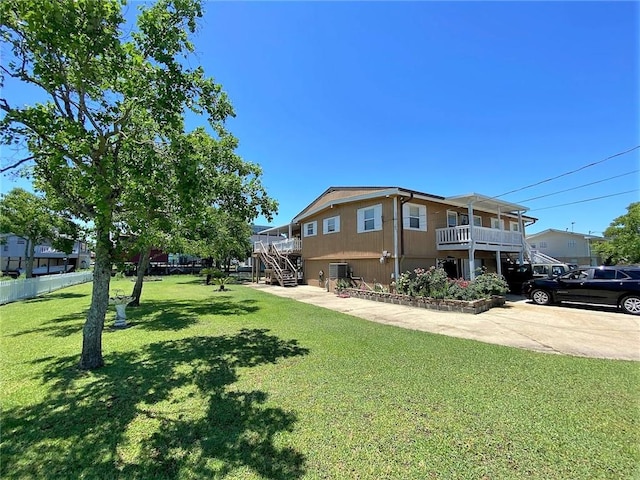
column 586, row 331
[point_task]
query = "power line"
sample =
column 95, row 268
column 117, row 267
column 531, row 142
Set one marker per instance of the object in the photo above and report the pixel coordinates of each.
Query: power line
column 568, row 173
column 576, row 188
column 584, row 201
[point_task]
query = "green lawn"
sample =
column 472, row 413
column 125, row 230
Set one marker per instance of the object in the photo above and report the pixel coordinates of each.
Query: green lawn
column 243, row 384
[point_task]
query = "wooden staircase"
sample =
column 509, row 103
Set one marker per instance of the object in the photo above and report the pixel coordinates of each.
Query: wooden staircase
column 284, row 272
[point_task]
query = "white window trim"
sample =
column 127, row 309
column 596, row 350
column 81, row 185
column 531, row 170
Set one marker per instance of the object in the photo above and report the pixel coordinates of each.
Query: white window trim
column 477, row 218
column 325, row 225
column 452, row 213
column 494, row 220
column 377, row 218
column 514, row 226
column 305, row 232
column 422, row 217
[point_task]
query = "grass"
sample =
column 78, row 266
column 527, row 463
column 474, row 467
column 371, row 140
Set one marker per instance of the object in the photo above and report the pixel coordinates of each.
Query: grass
column 246, row 385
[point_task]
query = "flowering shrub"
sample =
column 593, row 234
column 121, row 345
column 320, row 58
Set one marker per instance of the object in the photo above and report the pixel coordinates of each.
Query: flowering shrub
column 434, row 283
column 461, row 289
column 489, row 284
column 419, row 285
column 402, row 283
column 438, row 283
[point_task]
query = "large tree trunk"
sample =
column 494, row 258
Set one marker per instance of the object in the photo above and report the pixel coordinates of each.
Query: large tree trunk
column 29, row 253
column 143, row 264
column 93, row 326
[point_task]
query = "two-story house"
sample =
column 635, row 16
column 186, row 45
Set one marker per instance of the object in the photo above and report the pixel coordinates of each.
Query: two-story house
column 46, row 258
column 568, row 247
column 377, row 233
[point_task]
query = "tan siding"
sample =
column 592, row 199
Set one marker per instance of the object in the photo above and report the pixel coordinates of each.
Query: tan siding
column 410, row 264
column 368, row 270
column 361, row 251
column 338, row 194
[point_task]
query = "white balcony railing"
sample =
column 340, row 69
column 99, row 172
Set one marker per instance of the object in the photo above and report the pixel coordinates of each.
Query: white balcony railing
column 462, row 236
column 47, row 250
column 288, row 245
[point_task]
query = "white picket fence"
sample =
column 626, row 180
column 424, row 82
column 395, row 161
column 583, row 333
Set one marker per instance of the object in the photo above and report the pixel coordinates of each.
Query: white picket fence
column 12, row 290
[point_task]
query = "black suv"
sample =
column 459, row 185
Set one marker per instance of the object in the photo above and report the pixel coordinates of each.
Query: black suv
column 619, row 286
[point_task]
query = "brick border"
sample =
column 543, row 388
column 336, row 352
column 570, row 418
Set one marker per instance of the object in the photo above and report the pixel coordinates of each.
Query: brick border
column 445, row 305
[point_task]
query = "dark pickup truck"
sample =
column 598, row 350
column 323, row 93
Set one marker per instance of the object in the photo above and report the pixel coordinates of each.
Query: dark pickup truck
column 618, row 286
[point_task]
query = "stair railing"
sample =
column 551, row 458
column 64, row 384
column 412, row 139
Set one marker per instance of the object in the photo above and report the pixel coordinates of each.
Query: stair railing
column 285, row 259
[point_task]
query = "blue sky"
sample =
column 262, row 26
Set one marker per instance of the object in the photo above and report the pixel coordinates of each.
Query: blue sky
column 445, row 98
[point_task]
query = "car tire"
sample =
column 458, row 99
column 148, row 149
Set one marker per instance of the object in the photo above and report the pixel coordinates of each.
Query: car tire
column 631, row 304
column 541, row 297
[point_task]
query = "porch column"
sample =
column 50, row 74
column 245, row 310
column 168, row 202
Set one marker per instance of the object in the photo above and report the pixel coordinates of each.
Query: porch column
column 396, row 266
column 472, row 243
column 472, row 262
column 498, row 263
column 521, row 227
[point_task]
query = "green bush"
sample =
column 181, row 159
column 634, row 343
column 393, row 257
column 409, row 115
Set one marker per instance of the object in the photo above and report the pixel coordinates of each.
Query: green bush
column 342, row 284
column 489, row 284
column 438, row 282
column 402, row 283
column 434, row 283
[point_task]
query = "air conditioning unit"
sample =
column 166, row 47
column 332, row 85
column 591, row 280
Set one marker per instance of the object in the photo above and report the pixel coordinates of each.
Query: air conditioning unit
column 338, row 270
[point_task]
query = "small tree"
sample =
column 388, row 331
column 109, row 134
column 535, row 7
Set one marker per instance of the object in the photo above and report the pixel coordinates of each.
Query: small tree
column 623, row 238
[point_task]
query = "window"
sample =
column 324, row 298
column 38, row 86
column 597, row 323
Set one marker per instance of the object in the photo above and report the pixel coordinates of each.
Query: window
column 414, row 217
column 20, row 241
column 543, row 244
column 477, row 221
column 452, row 219
column 499, row 224
column 514, row 226
column 331, row 225
column 604, row 274
column 571, row 244
column 370, row 218
column 310, row 229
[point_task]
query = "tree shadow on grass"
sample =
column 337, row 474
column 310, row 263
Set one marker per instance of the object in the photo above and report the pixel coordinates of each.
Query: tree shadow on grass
column 157, row 315
column 193, row 281
column 60, row 326
column 176, row 315
column 55, row 296
column 167, row 411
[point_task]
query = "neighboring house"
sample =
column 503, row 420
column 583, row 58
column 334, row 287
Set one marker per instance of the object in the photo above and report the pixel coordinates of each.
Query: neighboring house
column 46, row 258
column 377, row 233
column 568, row 247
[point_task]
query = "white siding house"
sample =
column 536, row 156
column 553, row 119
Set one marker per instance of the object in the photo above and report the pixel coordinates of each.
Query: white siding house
column 46, row 258
column 568, row 247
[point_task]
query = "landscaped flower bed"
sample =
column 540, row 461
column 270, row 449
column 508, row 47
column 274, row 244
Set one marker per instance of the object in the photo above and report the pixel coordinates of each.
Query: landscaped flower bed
column 432, row 289
column 442, row 304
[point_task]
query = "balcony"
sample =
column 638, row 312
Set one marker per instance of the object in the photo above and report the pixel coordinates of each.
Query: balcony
column 47, row 251
column 491, row 239
column 288, row 245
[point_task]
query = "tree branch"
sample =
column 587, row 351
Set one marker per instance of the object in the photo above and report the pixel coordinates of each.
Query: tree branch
column 17, row 164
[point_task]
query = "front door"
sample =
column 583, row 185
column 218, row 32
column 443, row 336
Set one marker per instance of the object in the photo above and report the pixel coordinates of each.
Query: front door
column 450, row 267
